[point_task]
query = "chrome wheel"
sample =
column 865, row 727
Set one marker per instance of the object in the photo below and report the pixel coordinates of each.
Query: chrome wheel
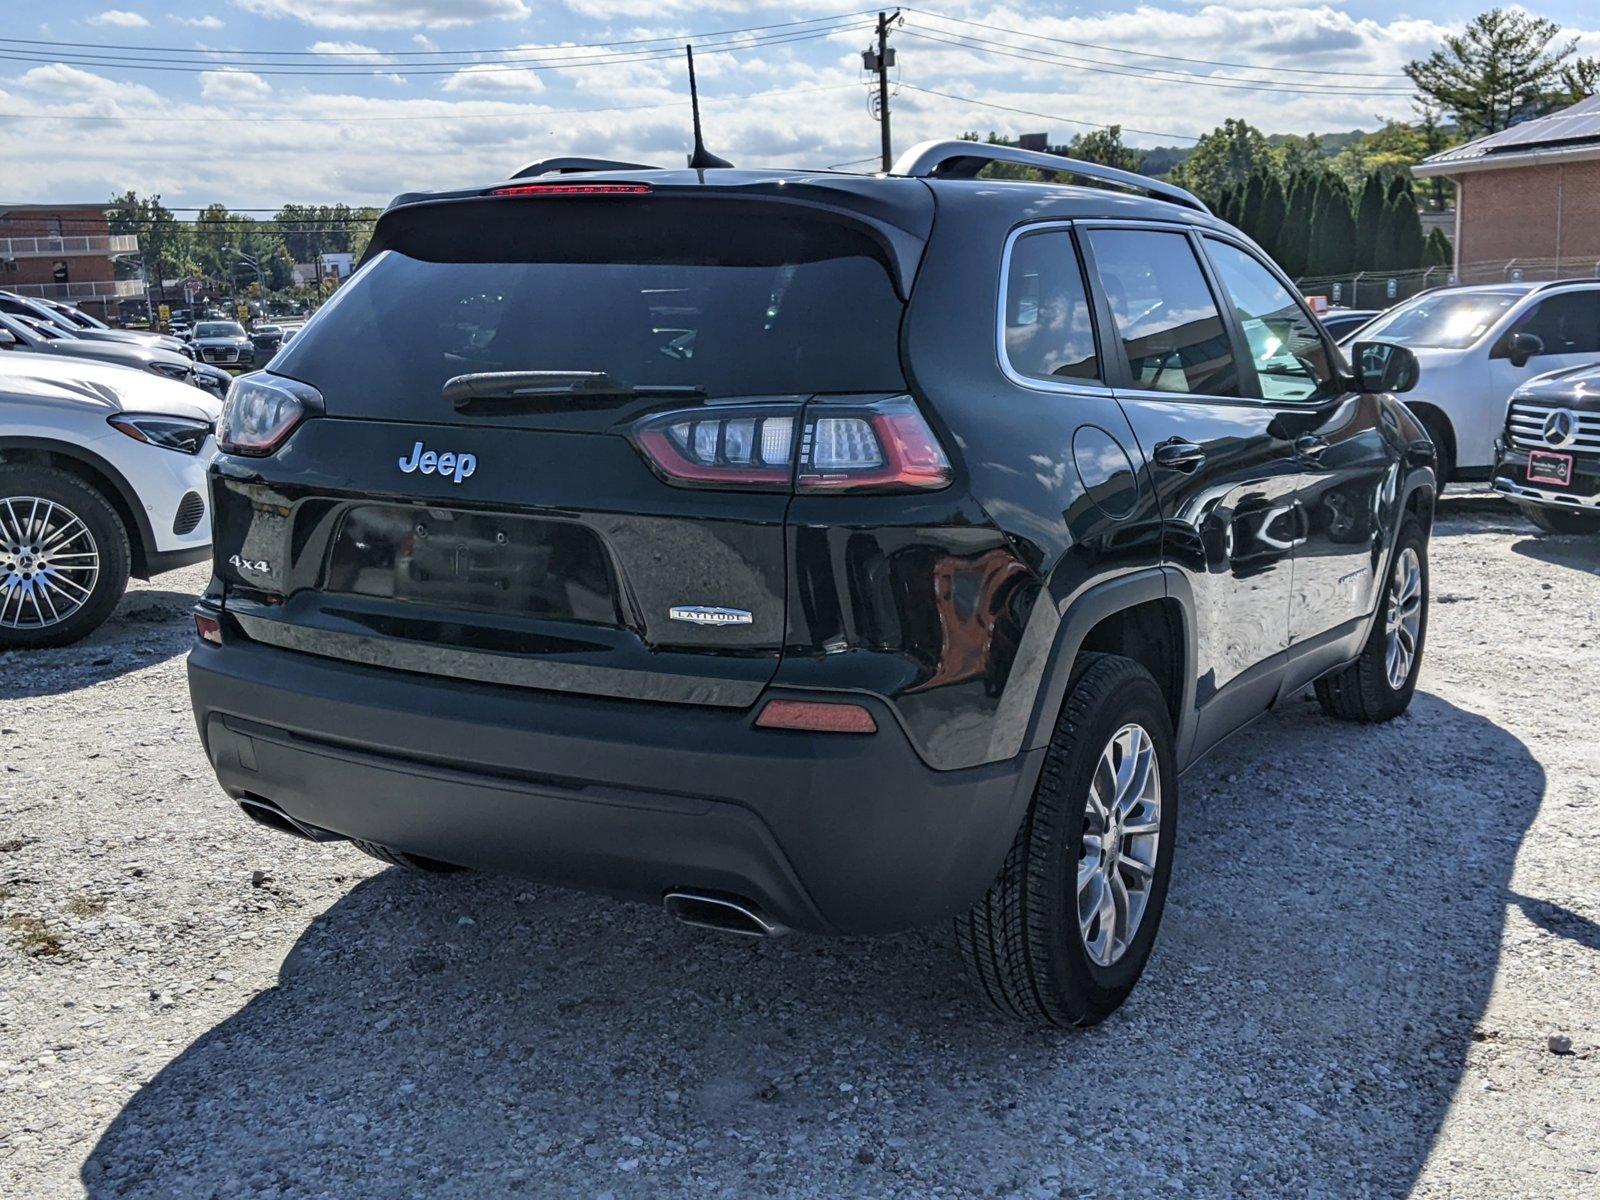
column 1404, row 617
column 1121, row 838
column 49, row 562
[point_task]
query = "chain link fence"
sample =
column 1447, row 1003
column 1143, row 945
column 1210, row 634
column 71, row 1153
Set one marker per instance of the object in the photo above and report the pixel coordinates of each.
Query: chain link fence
column 1380, row 289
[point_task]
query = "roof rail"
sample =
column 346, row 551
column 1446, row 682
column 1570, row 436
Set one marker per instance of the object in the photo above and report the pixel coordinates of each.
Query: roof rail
column 567, row 166
column 963, row 160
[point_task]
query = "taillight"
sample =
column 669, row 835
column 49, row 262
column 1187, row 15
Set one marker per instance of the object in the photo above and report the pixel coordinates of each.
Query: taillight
column 261, row 411
column 828, row 445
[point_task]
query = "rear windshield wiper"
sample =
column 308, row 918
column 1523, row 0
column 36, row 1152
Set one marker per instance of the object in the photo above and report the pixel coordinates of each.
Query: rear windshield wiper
column 518, row 391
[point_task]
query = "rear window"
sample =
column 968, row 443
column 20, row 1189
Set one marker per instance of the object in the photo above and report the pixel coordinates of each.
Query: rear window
column 811, row 311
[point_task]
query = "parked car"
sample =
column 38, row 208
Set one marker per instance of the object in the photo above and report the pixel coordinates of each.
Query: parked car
column 1340, row 322
column 810, row 551
column 224, row 343
column 52, row 314
column 24, row 335
column 102, row 476
column 1476, row 345
column 266, row 339
column 1547, row 459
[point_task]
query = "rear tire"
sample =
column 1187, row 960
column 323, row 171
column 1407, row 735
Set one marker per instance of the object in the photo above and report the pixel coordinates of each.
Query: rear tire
column 1560, row 520
column 64, row 557
column 399, row 858
column 1371, row 689
column 1027, row 944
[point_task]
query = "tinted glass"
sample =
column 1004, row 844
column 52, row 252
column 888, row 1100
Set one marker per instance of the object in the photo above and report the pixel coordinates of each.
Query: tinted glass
column 1048, row 330
column 1566, row 324
column 1445, row 320
column 1169, row 324
column 1286, row 346
column 406, row 326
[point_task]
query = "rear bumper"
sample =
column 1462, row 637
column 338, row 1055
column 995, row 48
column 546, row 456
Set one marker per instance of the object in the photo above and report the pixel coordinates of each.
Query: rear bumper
column 838, row 834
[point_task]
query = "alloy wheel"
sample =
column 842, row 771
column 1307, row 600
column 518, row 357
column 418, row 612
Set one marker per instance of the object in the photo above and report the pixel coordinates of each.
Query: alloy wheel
column 1121, row 839
column 1403, row 619
column 49, row 562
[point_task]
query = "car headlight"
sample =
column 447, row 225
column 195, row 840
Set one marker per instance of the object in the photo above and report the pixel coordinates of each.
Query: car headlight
column 261, row 411
column 178, row 371
column 183, row 434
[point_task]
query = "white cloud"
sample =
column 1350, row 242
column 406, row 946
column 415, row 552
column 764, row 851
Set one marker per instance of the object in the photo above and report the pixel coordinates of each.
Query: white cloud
column 69, row 84
column 424, row 42
column 492, row 79
column 354, row 51
column 206, row 22
column 121, row 18
column 388, row 14
column 232, row 86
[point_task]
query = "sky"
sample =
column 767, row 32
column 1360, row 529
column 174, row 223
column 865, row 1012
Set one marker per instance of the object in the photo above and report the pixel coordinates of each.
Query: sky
column 421, row 94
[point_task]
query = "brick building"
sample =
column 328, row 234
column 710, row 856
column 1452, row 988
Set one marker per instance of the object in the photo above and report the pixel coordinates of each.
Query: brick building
column 65, row 252
column 1528, row 197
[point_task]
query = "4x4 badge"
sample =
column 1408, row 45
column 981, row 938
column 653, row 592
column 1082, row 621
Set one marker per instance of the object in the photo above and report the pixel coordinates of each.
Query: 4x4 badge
column 701, row 614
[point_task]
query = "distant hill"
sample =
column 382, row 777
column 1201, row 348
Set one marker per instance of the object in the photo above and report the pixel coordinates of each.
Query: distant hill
column 1158, row 160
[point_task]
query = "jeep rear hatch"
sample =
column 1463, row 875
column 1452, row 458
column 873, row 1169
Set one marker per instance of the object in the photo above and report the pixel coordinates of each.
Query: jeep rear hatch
column 476, row 497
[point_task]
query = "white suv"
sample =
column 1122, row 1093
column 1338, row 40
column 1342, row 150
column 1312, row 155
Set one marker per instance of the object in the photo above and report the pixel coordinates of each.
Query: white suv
column 1477, row 345
column 102, row 476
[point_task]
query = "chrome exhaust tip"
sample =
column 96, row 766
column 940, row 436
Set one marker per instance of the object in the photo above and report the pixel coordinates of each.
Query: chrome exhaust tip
column 721, row 913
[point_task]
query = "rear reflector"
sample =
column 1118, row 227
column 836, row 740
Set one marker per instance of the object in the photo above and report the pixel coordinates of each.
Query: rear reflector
column 817, row 717
column 534, row 190
column 209, row 629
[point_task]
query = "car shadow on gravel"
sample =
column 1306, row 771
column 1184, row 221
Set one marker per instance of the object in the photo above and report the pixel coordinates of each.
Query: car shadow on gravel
column 148, row 626
column 1579, row 552
column 1332, row 935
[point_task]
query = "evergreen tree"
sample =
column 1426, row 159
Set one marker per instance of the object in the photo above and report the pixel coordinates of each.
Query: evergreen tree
column 1250, row 209
column 1409, row 244
column 1502, row 67
column 1294, row 239
column 1334, row 230
column 1437, row 251
column 1269, row 225
column 1369, row 215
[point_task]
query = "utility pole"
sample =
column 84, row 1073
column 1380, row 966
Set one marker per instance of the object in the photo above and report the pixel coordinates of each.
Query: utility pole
column 879, row 60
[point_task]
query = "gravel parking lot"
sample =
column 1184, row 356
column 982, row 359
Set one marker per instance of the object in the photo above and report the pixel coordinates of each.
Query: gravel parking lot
column 1379, row 972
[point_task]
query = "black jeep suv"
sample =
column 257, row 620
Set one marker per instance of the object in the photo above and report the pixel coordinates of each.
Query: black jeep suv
column 805, row 550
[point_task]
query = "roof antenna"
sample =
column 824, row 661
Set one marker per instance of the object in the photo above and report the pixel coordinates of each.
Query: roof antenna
column 702, row 159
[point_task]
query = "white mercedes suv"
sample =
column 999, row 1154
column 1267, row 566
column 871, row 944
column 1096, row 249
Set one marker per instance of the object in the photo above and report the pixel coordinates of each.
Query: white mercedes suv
column 102, row 476
column 1475, row 346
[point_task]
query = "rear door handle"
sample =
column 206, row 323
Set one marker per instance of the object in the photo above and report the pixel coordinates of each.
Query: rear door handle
column 1179, row 455
column 1311, row 446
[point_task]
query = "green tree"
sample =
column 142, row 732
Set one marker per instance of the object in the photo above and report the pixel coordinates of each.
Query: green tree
column 1227, row 155
column 1368, row 222
column 1105, row 146
column 1437, row 251
column 1333, row 230
column 166, row 245
column 1268, row 231
column 1503, row 66
column 1579, row 80
column 1297, row 153
column 1294, row 239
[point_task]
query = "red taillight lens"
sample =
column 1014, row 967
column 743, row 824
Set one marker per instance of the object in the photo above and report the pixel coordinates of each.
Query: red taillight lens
column 208, row 628
column 533, row 191
column 842, row 446
column 261, row 411
column 816, row 717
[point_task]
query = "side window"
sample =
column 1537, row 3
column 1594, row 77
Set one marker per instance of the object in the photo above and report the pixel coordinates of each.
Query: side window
column 1567, row 323
column 1166, row 317
column 1291, row 358
column 1048, row 330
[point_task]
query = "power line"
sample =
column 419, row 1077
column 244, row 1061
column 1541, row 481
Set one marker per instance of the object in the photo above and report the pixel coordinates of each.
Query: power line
column 517, row 112
column 354, row 71
column 676, row 40
column 1028, row 112
column 1208, row 62
column 1005, row 50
